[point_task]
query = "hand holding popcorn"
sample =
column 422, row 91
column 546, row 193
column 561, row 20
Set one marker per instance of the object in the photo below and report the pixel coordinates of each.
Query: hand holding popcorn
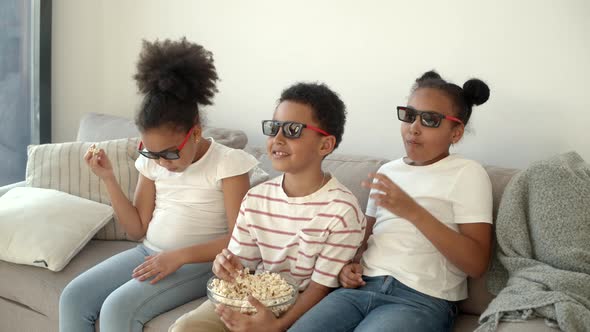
column 227, row 266
column 94, row 150
column 99, row 163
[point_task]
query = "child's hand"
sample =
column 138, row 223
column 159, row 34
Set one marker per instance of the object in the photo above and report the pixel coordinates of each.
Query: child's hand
column 227, row 266
column 99, row 163
column 159, row 265
column 392, row 197
column 351, row 276
column 238, row 322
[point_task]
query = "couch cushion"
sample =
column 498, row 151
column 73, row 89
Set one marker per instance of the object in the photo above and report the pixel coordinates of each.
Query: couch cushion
column 468, row 323
column 36, row 230
column 232, row 138
column 61, row 167
column 16, row 317
column 39, row 289
column 479, row 296
column 163, row 322
column 465, row 322
column 350, row 170
column 95, row 127
column 499, row 177
column 33, row 293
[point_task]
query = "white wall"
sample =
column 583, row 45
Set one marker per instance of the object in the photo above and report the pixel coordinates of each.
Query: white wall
column 535, row 55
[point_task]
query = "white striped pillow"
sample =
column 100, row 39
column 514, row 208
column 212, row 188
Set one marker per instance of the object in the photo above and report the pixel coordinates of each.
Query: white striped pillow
column 61, row 167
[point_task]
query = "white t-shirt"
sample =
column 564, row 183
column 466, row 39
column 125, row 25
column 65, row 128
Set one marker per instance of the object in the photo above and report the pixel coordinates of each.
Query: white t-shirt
column 190, row 205
column 305, row 238
column 455, row 190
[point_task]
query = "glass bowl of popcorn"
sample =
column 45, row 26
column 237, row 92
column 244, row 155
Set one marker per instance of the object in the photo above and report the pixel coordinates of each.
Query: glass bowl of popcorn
column 271, row 289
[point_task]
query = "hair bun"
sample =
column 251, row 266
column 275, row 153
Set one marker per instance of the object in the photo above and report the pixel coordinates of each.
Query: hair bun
column 476, row 91
column 429, row 75
column 166, row 84
column 181, row 69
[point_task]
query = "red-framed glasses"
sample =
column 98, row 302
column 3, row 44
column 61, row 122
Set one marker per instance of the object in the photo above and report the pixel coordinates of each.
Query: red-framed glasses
column 290, row 129
column 166, row 154
column 427, row 118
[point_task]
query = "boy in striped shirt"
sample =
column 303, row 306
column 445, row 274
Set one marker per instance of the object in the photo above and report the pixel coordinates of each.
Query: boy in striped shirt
column 303, row 224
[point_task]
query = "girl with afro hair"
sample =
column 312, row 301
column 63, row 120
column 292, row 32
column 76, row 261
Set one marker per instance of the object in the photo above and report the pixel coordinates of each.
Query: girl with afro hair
column 186, row 201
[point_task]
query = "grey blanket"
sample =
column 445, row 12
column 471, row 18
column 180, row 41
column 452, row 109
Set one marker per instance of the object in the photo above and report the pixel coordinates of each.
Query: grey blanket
column 541, row 266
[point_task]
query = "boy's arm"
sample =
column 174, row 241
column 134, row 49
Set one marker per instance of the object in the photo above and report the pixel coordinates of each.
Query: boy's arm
column 347, row 232
column 363, row 247
column 242, row 250
column 243, row 242
column 313, row 294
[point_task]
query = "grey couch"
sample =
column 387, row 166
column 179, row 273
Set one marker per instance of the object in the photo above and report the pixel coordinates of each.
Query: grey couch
column 29, row 296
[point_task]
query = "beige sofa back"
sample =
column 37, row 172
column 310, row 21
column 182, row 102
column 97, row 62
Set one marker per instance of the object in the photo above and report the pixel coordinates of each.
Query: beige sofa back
column 350, row 170
column 96, row 127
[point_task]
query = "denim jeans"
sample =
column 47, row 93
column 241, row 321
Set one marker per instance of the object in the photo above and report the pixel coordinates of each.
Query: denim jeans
column 383, row 304
column 124, row 303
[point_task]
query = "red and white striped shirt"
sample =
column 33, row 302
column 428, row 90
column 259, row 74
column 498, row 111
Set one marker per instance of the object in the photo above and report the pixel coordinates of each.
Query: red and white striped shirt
column 304, row 237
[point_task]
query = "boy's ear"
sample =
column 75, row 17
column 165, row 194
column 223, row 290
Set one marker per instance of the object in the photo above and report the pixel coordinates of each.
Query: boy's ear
column 328, row 144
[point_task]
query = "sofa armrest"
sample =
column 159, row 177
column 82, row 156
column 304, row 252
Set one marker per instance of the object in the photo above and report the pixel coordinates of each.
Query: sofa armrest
column 6, row 188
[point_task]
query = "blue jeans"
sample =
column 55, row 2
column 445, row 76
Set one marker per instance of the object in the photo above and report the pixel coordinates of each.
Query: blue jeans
column 124, row 303
column 383, row 304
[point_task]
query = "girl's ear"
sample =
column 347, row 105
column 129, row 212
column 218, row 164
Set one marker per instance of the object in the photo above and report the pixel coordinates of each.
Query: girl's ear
column 327, row 145
column 197, row 131
column 457, row 133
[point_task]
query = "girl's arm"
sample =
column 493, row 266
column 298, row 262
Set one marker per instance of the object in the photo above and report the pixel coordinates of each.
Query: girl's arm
column 133, row 217
column 469, row 249
column 234, row 190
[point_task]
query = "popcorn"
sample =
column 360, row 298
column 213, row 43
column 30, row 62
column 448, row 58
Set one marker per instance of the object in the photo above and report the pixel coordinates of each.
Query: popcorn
column 269, row 288
column 94, row 149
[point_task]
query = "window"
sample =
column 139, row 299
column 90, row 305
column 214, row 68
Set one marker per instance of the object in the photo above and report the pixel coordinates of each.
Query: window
column 25, row 82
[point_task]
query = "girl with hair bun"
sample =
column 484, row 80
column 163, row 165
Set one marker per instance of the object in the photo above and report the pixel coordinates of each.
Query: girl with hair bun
column 185, row 206
column 429, row 224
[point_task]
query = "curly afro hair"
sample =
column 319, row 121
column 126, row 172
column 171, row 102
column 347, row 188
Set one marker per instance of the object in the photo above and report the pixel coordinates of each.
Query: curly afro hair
column 474, row 92
column 328, row 108
column 175, row 77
